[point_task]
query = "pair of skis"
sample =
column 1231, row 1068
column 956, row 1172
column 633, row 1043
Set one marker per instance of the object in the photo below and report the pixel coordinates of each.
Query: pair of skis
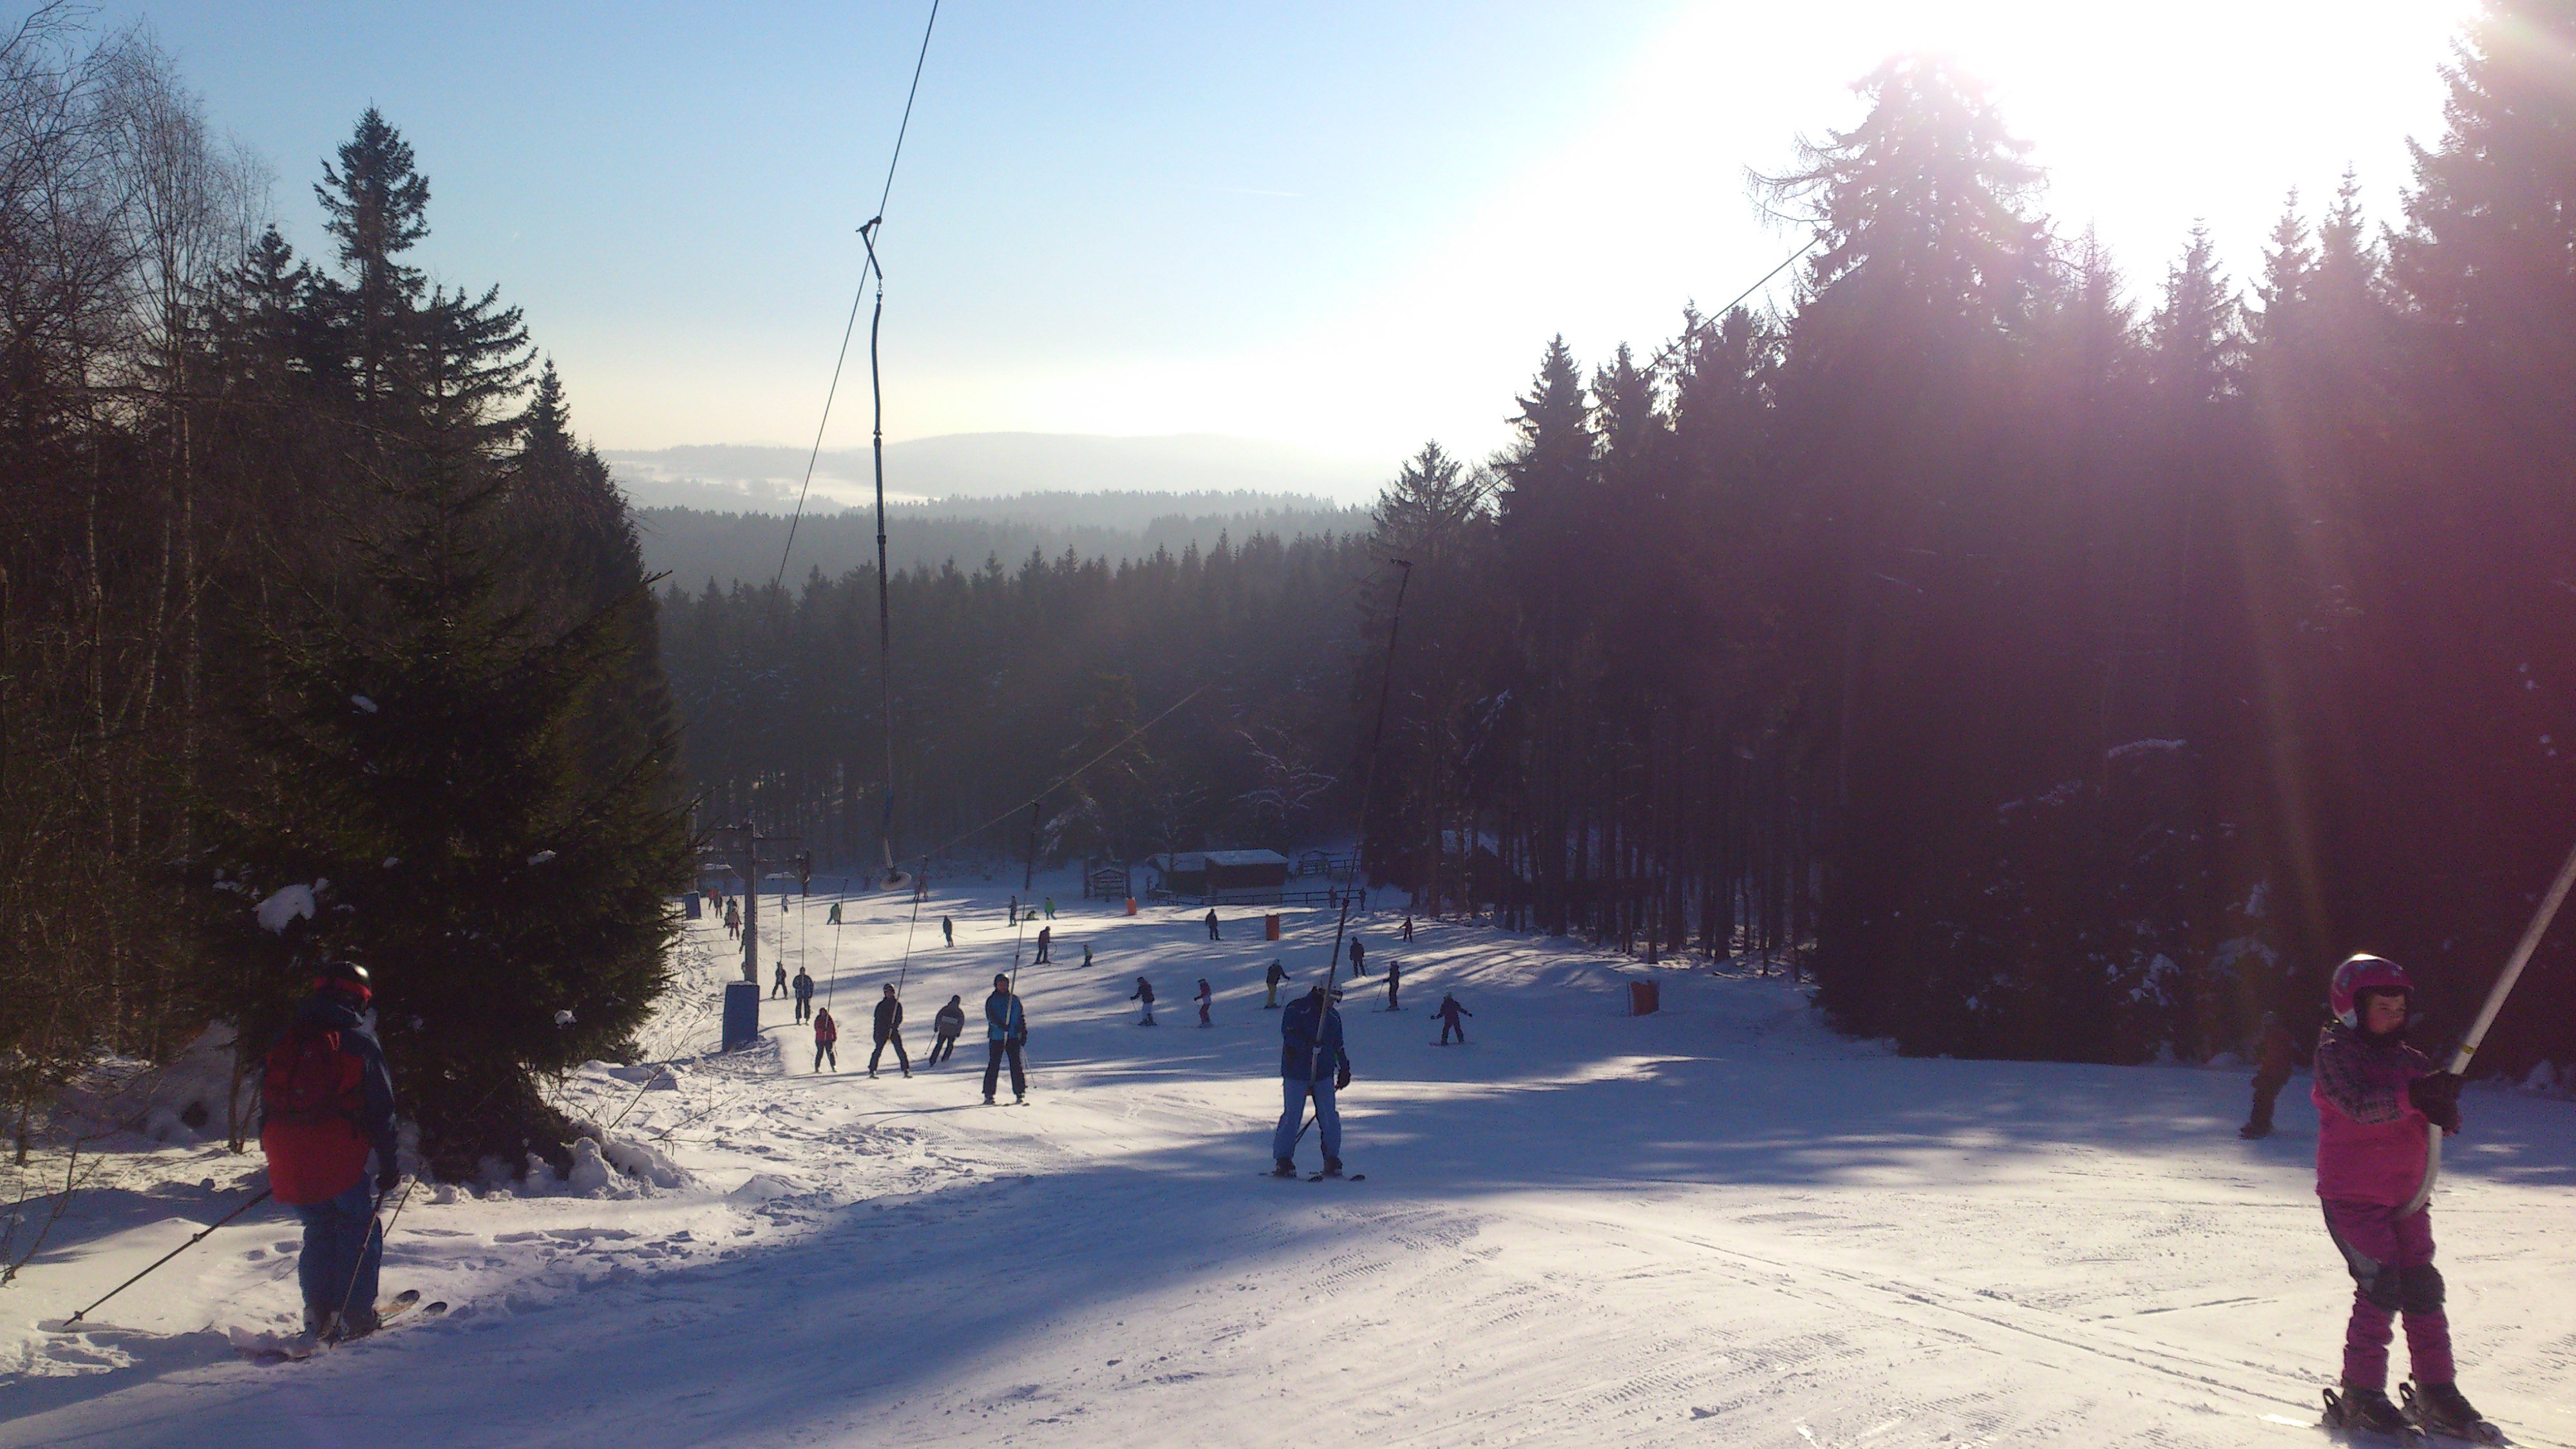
column 295, row 1348
column 1318, row 1176
column 2416, row 1426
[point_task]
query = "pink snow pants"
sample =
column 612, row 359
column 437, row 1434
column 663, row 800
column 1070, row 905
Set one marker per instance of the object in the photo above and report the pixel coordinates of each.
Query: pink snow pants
column 2391, row 1259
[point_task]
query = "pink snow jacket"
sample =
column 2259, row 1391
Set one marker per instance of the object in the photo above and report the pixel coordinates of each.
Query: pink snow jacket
column 2370, row 1137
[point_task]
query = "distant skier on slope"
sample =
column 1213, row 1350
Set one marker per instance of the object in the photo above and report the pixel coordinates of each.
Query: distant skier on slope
column 1394, row 979
column 2271, row 1074
column 325, row 1100
column 1449, row 1011
column 1270, row 980
column 948, row 930
column 1050, row 908
column 1359, row 958
column 889, row 1028
column 1145, row 994
column 1006, row 1029
column 1014, row 918
column 733, row 920
column 804, row 994
column 1086, row 953
column 1405, row 932
column 1046, row 939
column 2375, row 1098
column 1206, row 999
column 946, row 1027
column 1312, row 1064
column 836, row 915
column 1211, row 924
column 826, row 1032
column 778, row 988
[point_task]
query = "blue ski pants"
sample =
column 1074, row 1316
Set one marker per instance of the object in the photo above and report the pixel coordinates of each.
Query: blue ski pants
column 341, row 1252
column 1292, row 1115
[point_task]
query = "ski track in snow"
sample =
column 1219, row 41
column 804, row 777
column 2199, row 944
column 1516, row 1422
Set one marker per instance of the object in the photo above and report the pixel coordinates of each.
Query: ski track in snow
column 1718, row 1225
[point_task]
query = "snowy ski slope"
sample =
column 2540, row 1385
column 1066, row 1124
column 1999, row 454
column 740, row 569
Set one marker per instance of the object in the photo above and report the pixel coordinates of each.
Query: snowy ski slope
column 1719, row 1225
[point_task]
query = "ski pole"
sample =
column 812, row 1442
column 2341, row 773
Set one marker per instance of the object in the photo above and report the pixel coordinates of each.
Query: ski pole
column 2513, row 965
column 174, row 1252
column 376, row 1233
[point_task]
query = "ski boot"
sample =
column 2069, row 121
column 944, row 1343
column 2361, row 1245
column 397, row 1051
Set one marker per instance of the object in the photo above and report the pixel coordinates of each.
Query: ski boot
column 2252, row 1133
column 2442, row 1409
column 988, row 1099
column 2365, row 1411
column 1283, row 1167
column 1332, row 1167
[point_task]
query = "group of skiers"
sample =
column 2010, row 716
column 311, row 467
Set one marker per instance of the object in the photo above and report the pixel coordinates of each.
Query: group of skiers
column 328, row 1108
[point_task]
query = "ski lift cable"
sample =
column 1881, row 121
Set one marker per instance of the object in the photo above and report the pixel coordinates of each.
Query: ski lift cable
column 850, row 328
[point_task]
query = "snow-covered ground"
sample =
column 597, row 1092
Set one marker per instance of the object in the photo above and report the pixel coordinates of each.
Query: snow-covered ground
column 1716, row 1225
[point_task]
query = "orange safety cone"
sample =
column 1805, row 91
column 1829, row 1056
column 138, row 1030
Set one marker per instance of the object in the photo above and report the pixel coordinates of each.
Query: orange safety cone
column 1131, row 905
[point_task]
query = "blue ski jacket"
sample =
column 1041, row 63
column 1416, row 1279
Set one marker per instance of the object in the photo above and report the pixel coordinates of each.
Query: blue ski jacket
column 1004, row 1021
column 1310, row 1040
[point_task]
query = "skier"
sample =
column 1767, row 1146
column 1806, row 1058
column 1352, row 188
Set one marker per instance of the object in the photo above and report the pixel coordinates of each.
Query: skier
column 1394, row 979
column 1359, row 957
column 889, row 1027
column 945, row 1028
column 826, row 1032
column 326, row 1099
column 1050, row 908
column 1086, row 953
column 1271, row 980
column 1211, row 924
column 733, row 920
column 948, row 930
column 1406, row 932
column 1006, row 1028
column 1207, row 998
column 1145, row 994
column 836, row 915
column 778, row 988
column 2375, row 1097
column 2271, row 1074
column 1015, row 912
column 1311, row 1064
column 1449, row 1011
column 1046, row 938
column 804, row 994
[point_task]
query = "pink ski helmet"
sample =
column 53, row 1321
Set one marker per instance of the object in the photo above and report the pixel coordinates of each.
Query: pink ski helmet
column 2359, row 974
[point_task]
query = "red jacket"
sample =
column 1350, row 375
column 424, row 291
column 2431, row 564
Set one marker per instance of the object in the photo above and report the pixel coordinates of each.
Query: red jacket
column 824, row 1029
column 317, row 1160
column 2370, row 1137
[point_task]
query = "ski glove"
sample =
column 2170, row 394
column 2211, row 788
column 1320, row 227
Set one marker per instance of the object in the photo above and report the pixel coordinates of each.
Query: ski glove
column 2437, row 1096
column 1342, row 1075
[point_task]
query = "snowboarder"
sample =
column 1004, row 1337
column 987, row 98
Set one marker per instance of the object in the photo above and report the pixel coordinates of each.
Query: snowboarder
column 1449, row 1011
column 326, row 1100
column 948, row 930
column 945, row 1028
column 2271, row 1074
column 1145, row 994
column 1271, row 980
column 836, row 915
column 1207, row 998
column 1311, row 1064
column 1394, row 979
column 2375, row 1098
column 1006, row 1029
column 804, row 994
column 1211, row 924
column 1405, row 933
column 1359, row 957
column 1046, row 938
column 826, row 1032
column 889, row 1028
column 778, row 988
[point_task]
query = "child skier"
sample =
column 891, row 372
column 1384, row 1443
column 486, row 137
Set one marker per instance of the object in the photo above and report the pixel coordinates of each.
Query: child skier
column 1086, row 953
column 1449, row 1011
column 826, row 1032
column 778, row 988
column 1145, row 994
column 1271, row 979
column 1207, row 998
column 2376, row 1098
column 946, row 1027
column 327, row 1100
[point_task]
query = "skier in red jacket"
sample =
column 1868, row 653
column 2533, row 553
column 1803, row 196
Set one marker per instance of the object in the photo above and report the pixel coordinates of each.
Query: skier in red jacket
column 326, row 1102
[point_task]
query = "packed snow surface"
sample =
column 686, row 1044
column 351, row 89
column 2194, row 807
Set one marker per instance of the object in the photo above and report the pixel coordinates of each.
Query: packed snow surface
column 1716, row 1225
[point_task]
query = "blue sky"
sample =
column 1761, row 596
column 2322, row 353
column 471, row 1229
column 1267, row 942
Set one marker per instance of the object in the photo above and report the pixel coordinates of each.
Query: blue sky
column 1350, row 226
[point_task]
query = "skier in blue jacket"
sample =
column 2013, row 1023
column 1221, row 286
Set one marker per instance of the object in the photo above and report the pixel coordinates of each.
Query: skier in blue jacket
column 1006, row 1027
column 1311, row 1064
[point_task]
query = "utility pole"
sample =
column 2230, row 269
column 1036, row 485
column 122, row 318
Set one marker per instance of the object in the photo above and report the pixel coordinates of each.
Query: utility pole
column 740, row 846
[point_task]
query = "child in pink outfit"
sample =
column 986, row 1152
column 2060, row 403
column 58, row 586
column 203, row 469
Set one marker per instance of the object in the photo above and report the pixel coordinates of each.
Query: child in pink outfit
column 2376, row 1099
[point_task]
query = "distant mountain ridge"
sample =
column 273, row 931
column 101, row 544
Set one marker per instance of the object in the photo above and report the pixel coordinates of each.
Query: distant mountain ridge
column 765, row 479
